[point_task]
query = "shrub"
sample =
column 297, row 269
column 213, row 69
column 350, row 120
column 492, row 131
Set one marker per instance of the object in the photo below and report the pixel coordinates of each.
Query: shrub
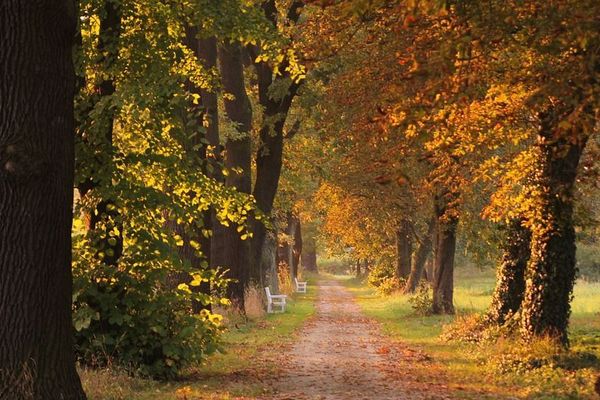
column 381, row 273
column 388, row 286
column 422, row 300
column 129, row 317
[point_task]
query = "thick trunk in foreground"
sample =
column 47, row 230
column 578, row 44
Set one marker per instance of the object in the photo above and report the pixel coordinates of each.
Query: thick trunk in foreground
column 551, row 271
column 37, row 84
column 418, row 264
column 510, row 283
column 443, row 267
column 403, row 249
column 236, row 256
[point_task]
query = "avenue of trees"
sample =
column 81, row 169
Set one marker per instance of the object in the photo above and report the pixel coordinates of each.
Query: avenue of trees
column 158, row 159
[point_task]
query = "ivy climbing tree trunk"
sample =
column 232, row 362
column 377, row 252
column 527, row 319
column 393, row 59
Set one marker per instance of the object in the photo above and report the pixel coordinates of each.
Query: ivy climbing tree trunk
column 236, row 256
column 37, row 84
column 420, row 257
column 443, row 268
column 404, row 246
column 510, row 281
column 551, row 271
column 96, row 141
column 195, row 144
column 206, row 51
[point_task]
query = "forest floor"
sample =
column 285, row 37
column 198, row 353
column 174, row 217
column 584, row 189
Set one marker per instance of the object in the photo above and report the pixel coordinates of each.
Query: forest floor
column 342, row 354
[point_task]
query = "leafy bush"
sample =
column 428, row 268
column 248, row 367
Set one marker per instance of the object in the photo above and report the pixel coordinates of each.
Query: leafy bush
column 422, row 300
column 382, row 277
column 128, row 316
column 389, row 286
column 381, row 272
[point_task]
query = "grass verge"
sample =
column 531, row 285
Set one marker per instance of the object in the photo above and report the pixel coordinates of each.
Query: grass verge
column 252, row 351
column 493, row 370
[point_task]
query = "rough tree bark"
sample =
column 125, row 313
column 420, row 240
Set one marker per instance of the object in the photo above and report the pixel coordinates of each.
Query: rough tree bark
column 551, row 271
column 443, row 268
column 420, row 257
column 37, row 84
column 404, row 246
column 236, row 256
column 510, row 282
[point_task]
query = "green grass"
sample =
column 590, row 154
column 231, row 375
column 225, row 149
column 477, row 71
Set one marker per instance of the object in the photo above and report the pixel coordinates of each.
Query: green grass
column 252, row 351
column 466, row 364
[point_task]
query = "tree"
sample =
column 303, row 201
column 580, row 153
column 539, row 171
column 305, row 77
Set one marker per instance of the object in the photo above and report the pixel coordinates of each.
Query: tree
column 276, row 91
column 37, row 84
column 420, row 257
column 238, row 162
column 404, row 247
column 510, row 284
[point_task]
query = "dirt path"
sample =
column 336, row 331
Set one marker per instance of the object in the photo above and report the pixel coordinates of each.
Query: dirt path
column 341, row 355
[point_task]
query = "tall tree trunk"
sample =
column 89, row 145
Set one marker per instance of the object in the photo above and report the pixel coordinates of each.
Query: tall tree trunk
column 443, row 268
column 418, row 265
column 428, row 268
column 403, row 249
column 37, row 84
column 309, row 259
column 207, row 49
column 270, row 150
column 207, row 55
column 269, row 260
column 238, row 156
column 551, row 271
column 97, row 138
column 206, row 52
column 510, row 282
column 284, row 250
column 357, row 268
column 297, row 248
column 309, row 251
column 268, row 169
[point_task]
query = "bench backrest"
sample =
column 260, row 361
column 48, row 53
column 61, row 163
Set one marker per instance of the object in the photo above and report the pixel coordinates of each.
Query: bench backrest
column 268, row 292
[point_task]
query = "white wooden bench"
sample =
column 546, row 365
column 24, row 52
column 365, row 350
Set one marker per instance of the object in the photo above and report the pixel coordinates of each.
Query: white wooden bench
column 300, row 286
column 277, row 300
